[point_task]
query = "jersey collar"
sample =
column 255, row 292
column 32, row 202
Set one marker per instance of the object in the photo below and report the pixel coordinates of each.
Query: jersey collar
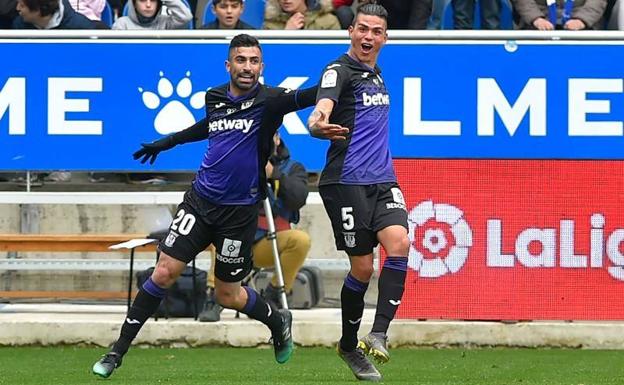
column 358, row 63
column 236, row 99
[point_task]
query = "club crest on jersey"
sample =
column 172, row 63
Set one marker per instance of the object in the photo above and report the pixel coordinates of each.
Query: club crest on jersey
column 330, row 78
column 247, row 104
column 349, row 238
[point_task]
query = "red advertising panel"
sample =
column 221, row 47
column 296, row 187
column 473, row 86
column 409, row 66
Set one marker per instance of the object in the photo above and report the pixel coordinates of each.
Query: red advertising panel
column 514, row 239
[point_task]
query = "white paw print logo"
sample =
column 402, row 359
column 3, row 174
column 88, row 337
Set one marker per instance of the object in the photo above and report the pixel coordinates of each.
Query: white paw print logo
column 174, row 115
column 440, row 238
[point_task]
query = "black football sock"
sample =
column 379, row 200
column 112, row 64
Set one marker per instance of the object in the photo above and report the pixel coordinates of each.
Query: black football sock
column 391, row 287
column 144, row 305
column 352, row 303
column 259, row 309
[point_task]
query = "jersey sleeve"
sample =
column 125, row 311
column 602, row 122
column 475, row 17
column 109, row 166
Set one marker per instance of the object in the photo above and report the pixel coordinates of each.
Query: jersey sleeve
column 284, row 100
column 194, row 133
column 332, row 82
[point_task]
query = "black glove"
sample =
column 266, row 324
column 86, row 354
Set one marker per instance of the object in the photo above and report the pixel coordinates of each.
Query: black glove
column 149, row 151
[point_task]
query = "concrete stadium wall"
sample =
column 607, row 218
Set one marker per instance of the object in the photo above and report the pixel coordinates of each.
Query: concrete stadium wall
column 131, row 219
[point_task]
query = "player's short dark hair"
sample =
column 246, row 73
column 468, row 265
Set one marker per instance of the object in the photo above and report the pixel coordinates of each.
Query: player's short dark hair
column 45, row 7
column 244, row 40
column 371, row 9
column 216, row 2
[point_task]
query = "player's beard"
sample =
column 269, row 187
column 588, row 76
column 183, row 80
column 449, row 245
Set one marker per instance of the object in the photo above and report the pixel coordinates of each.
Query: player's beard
column 244, row 86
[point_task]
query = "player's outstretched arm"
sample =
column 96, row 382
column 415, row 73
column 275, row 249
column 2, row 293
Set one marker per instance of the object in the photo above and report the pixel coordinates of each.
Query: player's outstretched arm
column 194, row 133
column 319, row 125
column 292, row 100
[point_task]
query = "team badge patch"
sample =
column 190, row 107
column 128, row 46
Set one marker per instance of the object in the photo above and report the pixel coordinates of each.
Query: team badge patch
column 329, row 79
column 171, row 238
column 349, row 238
column 231, row 247
column 247, row 104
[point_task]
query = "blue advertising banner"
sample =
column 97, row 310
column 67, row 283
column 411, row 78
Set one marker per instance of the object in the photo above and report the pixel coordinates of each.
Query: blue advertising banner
column 92, row 103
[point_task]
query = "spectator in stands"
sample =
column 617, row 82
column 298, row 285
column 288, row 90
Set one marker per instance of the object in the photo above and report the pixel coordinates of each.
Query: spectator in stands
column 463, row 14
column 49, row 14
column 344, row 12
column 585, row 14
column 614, row 15
column 289, row 181
column 8, row 12
column 228, row 15
column 146, row 14
column 92, row 9
column 407, row 14
column 300, row 14
column 402, row 14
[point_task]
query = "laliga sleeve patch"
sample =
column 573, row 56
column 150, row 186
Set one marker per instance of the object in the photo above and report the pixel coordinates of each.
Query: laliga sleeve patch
column 329, row 79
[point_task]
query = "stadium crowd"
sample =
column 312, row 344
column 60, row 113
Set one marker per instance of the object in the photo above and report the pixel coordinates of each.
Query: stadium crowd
column 308, row 14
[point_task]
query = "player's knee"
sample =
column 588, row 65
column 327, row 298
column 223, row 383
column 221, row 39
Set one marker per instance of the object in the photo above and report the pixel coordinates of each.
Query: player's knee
column 164, row 276
column 226, row 298
column 362, row 272
column 398, row 246
column 404, row 244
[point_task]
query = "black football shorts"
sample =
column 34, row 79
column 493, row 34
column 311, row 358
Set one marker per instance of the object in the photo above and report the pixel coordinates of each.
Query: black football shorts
column 357, row 213
column 199, row 223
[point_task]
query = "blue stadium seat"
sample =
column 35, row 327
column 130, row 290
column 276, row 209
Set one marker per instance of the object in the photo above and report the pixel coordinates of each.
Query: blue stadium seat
column 253, row 13
column 506, row 17
column 107, row 14
column 189, row 26
column 437, row 12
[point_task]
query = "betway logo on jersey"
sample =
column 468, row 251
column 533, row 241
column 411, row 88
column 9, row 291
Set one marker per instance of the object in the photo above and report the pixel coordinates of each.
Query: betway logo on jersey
column 377, row 99
column 230, row 124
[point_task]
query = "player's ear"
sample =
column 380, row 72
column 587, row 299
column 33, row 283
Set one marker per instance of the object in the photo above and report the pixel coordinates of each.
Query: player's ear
column 261, row 68
column 227, row 66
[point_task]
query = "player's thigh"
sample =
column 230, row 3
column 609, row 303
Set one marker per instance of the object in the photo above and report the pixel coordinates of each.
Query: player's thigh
column 350, row 209
column 390, row 219
column 167, row 270
column 233, row 242
column 189, row 232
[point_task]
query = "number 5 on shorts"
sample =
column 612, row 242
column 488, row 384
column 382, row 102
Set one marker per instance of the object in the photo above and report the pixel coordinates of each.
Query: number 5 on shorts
column 347, row 218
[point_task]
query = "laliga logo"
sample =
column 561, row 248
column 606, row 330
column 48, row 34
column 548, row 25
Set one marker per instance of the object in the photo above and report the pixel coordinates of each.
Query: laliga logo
column 440, row 238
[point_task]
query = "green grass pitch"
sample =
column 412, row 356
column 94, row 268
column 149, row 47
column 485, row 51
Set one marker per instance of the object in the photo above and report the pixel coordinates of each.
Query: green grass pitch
column 212, row 366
